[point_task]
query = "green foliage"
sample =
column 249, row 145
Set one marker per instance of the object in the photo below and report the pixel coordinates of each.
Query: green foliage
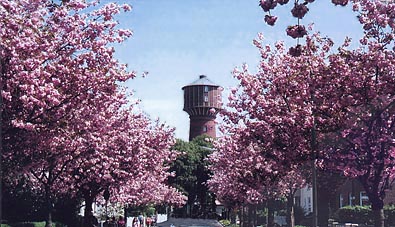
column 224, row 222
column 20, row 199
column 32, row 224
column 233, row 225
column 363, row 215
column 355, row 214
column 146, row 210
column 191, row 175
column 300, row 226
column 389, row 213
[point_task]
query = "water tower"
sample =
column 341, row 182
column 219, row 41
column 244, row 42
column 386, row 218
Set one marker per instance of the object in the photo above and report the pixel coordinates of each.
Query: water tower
column 202, row 101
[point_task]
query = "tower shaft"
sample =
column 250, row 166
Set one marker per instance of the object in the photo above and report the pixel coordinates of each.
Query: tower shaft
column 200, row 125
column 202, row 101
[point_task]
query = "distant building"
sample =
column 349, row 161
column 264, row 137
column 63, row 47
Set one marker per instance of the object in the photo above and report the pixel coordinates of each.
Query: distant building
column 202, row 101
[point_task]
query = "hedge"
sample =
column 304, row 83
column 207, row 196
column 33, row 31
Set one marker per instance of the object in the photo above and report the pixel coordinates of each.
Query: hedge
column 31, row 224
column 363, row 215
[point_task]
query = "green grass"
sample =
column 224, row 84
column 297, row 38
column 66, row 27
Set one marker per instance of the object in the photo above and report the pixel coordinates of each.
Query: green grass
column 31, row 224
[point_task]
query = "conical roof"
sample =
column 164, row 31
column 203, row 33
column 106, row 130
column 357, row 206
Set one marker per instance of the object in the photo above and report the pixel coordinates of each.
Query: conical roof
column 203, row 80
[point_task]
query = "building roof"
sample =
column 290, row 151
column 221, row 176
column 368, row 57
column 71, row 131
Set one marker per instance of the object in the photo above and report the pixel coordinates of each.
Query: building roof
column 203, row 80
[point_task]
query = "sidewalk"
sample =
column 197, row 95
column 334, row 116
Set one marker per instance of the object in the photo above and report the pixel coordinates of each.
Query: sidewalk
column 185, row 222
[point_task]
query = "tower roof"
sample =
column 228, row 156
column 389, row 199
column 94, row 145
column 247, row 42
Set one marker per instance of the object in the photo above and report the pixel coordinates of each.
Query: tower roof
column 203, row 80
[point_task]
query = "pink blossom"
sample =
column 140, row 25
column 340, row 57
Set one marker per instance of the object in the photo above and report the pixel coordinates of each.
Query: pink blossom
column 267, row 5
column 299, row 10
column 270, row 20
column 340, row 2
column 296, row 31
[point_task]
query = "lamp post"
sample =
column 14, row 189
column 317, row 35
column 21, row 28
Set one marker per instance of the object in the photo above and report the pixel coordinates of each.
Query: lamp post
column 106, row 196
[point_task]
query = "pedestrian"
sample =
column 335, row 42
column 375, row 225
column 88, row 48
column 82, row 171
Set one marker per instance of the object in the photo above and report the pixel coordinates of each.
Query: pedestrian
column 93, row 221
column 135, row 222
column 121, row 222
column 148, row 221
column 113, row 222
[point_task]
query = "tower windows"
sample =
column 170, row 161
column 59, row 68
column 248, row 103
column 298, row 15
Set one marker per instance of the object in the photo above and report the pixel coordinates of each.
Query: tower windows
column 204, row 128
column 206, row 89
column 205, row 97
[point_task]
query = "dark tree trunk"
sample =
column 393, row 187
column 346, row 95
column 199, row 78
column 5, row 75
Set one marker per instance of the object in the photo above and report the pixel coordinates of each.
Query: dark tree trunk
column 270, row 213
column 242, row 216
column 378, row 212
column 375, row 198
column 233, row 215
column 328, row 184
column 290, row 210
column 88, row 214
column 378, row 216
column 323, row 207
column 49, row 206
column 48, row 222
column 248, row 219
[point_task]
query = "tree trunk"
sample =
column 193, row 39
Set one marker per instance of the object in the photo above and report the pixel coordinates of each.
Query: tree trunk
column 241, row 216
column 213, row 206
column 270, row 213
column 250, row 216
column 233, row 215
column 88, row 214
column 48, row 222
column 378, row 216
column 49, row 206
column 323, row 207
column 290, row 210
column 377, row 209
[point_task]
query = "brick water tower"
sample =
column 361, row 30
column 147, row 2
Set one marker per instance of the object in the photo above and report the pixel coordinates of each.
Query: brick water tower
column 202, row 101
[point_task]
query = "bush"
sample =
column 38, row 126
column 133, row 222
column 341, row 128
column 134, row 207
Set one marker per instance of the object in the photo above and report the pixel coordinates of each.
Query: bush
column 355, row 214
column 23, row 224
column 389, row 212
column 363, row 215
column 32, row 224
column 224, row 222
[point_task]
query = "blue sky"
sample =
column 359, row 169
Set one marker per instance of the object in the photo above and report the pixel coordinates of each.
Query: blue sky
column 178, row 40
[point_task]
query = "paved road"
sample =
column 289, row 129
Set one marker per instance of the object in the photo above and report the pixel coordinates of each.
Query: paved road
column 186, row 222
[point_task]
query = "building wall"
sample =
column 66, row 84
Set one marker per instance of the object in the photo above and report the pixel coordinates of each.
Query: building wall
column 199, row 101
column 352, row 193
column 202, row 125
column 199, row 96
column 304, row 199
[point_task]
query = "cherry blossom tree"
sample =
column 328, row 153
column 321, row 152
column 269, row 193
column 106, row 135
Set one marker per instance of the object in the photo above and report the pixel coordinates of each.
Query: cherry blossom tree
column 244, row 176
column 315, row 102
column 67, row 124
column 364, row 147
column 124, row 153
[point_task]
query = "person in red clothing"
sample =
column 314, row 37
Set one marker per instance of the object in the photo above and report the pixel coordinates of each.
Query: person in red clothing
column 148, row 222
column 121, row 222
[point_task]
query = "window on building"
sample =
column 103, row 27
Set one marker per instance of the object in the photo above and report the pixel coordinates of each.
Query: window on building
column 341, row 200
column 205, row 97
column 205, row 88
column 351, row 199
column 363, row 199
column 297, row 201
column 204, row 128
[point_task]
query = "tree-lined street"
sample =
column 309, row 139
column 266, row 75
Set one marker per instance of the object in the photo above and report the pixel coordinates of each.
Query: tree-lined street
column 312, row 114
